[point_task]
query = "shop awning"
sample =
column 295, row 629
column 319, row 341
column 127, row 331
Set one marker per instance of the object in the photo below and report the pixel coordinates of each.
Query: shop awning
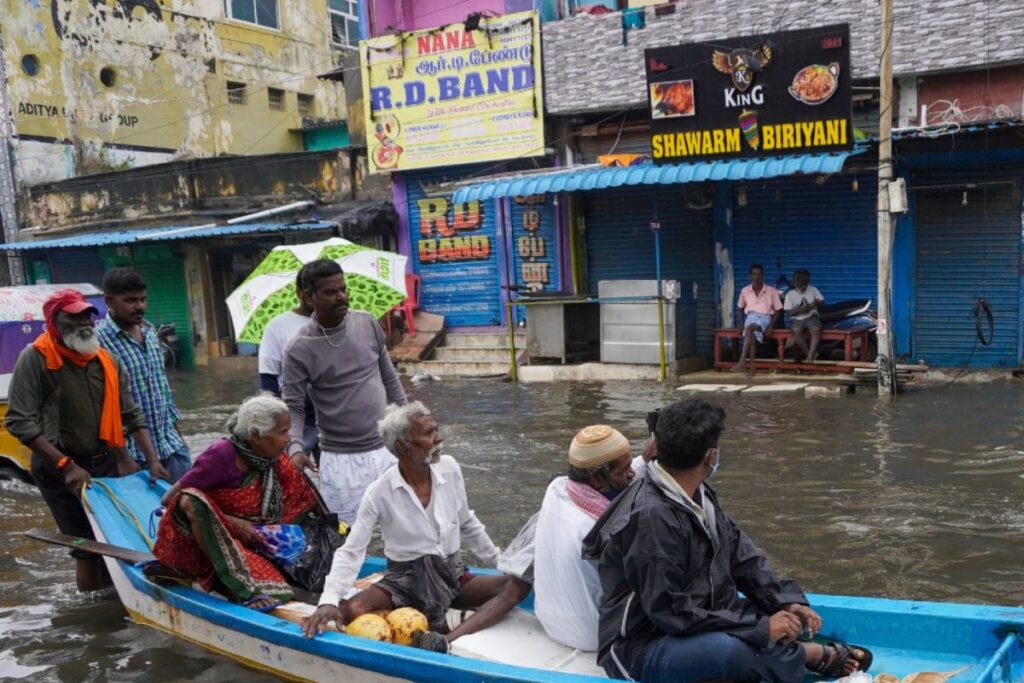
column 599, row 177
column 164, row 234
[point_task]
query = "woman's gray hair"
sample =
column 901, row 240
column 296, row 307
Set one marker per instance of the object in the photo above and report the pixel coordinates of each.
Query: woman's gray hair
column 257, row 416
column 397, row 422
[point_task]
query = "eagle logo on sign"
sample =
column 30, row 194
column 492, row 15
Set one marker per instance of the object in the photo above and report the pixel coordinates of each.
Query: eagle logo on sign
column 742, row 63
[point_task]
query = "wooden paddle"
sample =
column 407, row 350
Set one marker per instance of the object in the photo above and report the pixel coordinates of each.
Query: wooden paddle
column 121, row 553
column 293, row 611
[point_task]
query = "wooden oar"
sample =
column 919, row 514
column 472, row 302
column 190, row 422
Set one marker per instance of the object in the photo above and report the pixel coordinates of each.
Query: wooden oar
column 293, row 611
column 121, row 553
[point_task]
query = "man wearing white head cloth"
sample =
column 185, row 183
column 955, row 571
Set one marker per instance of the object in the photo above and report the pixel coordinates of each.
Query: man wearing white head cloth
column 566, row 587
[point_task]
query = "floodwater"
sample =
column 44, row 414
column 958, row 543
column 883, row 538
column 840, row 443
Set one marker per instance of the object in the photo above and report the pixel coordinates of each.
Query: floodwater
column 850, row 495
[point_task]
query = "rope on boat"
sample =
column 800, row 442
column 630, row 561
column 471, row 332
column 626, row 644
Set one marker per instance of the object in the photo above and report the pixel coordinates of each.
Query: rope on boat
column 997, row 658
column 121, row 507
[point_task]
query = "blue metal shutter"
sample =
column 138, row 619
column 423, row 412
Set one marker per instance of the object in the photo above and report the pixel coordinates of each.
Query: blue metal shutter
column 465, row 292
column 73, row 266
column 965, row 252
column 620, row 245
column 827, row 228
column 535, row 249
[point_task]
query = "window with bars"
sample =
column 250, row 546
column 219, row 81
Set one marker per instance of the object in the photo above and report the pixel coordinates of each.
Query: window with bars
column 260, row 12
column 236, row 93
column 275, row 99
column 344, row 23
column 305, row 105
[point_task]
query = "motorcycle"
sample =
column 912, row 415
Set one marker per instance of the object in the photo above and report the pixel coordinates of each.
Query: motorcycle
column 170, row 345
column 852, row 315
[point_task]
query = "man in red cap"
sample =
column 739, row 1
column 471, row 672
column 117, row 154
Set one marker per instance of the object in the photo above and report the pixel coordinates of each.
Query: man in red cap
column 71, row 404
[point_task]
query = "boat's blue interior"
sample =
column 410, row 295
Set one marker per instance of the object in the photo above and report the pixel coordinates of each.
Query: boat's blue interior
column 980, row 642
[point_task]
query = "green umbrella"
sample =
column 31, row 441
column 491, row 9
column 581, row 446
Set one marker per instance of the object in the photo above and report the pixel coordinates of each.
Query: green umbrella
column 375, row 280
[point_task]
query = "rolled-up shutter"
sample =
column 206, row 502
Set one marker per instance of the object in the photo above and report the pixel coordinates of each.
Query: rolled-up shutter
column 968, row 247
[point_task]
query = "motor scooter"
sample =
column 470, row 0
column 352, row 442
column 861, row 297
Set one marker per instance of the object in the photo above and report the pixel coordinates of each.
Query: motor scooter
column 851, row 315
column 170, row 345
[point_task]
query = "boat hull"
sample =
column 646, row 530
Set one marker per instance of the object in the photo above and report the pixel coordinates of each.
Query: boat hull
column 968, row 642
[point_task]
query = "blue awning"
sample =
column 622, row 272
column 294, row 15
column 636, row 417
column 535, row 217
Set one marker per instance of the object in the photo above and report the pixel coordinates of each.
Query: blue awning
column 598, row 178
column 165, row 234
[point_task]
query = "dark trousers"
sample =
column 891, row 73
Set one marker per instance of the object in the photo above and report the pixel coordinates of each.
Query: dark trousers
column 65, row 507
column 720, row 657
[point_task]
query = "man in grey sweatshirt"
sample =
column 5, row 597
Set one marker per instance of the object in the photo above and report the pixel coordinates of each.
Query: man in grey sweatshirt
column 341, row 361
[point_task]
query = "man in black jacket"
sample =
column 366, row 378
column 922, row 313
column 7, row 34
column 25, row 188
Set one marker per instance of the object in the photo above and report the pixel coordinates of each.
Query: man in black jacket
column 671, row 564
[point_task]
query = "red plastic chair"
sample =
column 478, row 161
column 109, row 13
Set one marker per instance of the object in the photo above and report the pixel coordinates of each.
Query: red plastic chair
column 409, row 305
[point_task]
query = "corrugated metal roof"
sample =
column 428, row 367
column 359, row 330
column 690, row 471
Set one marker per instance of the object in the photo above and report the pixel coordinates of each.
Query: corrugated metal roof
column 952, row 128
column 99, row 239
column 569, row 180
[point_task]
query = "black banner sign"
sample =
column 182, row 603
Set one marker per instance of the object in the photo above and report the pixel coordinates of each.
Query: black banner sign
column 755, row 96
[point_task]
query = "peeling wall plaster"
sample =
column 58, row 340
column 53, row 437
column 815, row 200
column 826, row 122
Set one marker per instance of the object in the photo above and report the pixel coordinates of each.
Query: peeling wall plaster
column 165, row 101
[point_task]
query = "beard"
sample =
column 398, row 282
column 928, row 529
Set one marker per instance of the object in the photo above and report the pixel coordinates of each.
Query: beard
column 435, row 456
column 83, row 341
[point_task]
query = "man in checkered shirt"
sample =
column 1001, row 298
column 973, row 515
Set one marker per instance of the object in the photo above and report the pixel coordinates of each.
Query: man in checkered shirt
column 127, row 335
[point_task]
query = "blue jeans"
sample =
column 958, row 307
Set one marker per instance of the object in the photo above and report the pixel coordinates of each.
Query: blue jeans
column 176, row 463
column 720, row 657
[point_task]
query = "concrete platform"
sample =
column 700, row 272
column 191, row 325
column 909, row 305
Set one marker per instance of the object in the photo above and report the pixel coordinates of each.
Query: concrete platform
column 763, row 377
column 713, row 388
column 587, row 372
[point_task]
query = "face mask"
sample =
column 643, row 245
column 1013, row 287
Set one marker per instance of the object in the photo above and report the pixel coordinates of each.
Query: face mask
column 718, row 461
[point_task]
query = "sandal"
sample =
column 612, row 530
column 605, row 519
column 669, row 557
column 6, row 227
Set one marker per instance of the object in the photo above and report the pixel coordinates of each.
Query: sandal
column 431, row 641
column 266, row 602
column 841, row 653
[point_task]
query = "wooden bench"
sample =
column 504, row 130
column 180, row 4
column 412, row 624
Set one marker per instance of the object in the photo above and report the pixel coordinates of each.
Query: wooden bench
column 851, row 351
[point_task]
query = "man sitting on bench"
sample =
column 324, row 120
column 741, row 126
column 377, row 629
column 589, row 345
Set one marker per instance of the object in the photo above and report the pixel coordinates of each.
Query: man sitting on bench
column 802, row 303
column 758, row 308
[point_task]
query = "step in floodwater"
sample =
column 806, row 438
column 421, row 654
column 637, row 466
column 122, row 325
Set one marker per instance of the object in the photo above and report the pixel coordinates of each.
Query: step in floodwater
column 713, row 388
column 482, row 341
column 466, row 368
column 460, row 353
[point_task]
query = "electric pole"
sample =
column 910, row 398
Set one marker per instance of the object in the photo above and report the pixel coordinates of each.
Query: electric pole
column 886, row 355
column 8, row 182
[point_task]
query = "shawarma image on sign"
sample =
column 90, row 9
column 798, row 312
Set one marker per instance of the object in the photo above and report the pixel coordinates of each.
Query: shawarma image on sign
column 672, row 99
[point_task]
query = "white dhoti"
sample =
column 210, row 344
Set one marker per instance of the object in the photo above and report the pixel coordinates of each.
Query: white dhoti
column 344, row 477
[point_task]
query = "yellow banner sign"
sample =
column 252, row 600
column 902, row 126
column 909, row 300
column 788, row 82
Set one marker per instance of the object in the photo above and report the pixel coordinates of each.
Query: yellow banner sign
column 448, row 96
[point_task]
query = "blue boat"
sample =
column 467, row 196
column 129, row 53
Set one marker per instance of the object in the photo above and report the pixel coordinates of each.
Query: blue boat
column 913, row 642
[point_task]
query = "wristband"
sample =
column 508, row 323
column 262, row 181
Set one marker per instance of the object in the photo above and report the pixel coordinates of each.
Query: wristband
column 63, row 462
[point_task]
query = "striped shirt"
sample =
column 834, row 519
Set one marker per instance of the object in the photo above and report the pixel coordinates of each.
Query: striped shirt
column 148, row 380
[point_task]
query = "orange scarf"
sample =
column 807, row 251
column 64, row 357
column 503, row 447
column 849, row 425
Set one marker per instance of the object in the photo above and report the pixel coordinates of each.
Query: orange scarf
column 111, row 427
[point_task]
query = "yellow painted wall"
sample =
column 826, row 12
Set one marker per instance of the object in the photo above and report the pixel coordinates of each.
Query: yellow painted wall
column 165, row 95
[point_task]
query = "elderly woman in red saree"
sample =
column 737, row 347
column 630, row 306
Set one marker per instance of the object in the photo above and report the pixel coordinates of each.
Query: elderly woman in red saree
column 210, row 532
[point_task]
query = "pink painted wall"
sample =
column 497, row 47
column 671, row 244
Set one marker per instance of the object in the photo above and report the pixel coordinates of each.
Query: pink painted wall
column 409, row 15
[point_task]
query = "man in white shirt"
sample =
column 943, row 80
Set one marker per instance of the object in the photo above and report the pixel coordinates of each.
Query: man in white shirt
column 802, row 303
column 276, row 335
column 567, row 590
column 420, row 505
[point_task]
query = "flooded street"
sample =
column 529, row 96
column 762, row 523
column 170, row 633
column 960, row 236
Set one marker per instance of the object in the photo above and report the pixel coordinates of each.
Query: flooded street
column 849, row 495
